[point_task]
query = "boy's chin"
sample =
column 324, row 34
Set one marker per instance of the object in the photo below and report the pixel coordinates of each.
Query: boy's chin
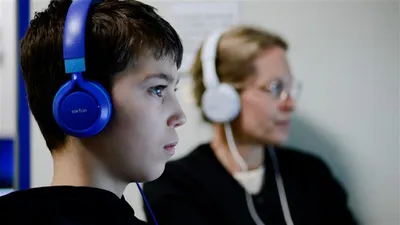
column 150, row 174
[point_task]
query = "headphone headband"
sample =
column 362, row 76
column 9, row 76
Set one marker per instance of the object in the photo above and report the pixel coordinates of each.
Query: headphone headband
column 208, row 59
column 74, row 35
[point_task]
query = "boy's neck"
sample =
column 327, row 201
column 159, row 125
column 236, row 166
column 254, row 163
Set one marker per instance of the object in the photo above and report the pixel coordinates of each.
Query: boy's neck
column 76, row 166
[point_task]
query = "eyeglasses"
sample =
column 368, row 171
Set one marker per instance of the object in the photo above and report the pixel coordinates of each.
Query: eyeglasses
column 281, row 90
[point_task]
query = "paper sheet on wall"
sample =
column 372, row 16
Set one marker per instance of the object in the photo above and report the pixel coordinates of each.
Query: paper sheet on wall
column 195, row 20
column 8, row 68
column 1, row 35
column 1, row 62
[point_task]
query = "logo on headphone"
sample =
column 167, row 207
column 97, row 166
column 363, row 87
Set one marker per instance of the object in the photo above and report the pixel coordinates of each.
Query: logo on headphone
column 80, row 110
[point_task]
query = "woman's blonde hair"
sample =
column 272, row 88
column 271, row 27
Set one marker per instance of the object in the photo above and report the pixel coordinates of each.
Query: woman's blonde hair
column 237, row 50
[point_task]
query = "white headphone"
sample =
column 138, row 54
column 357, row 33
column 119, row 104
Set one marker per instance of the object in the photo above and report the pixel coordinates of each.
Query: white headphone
column 220, row 101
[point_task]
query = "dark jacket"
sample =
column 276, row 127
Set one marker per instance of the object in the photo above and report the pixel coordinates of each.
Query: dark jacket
column 197, row 190
column 65, row 205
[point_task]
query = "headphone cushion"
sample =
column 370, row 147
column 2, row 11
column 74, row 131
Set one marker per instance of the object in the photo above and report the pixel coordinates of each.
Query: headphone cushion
column 83, row 112
column 221, row 104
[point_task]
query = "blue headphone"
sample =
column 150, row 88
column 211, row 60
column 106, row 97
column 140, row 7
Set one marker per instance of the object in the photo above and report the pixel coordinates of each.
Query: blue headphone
column 81, row 108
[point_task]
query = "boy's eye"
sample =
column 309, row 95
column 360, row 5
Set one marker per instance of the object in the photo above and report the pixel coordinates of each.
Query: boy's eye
column 157, row 90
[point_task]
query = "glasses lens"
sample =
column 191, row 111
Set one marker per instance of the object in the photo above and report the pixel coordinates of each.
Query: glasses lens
column 276, row 88
column 281, row 90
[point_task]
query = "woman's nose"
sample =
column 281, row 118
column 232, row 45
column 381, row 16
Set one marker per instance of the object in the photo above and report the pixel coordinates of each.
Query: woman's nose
column 287, row 104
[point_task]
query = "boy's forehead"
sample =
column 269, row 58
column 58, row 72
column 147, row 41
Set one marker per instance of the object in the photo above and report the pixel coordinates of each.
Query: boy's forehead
column 150, row 66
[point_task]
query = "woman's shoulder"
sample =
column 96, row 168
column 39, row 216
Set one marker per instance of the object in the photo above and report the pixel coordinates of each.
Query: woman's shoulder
column 194, row 159
column 202, row 158
column 297, row 154
column 190, row 169
column 301, row 161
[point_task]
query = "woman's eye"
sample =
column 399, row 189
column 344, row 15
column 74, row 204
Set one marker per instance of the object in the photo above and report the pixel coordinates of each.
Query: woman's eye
column 157, row 90
column 277, row 88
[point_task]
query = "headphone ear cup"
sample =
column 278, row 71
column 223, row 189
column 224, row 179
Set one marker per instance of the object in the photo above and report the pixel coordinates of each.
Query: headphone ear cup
column 83, row 112
column 221, row 104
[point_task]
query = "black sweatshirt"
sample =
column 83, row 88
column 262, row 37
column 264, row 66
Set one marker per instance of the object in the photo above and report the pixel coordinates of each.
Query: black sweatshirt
column 65, row 205
column 197, row 190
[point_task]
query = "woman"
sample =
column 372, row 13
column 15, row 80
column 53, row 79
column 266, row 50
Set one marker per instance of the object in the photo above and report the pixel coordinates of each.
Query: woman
column 243, row 84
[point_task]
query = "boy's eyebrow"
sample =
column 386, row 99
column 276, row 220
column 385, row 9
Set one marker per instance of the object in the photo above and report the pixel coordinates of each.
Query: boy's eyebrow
column 170, row 79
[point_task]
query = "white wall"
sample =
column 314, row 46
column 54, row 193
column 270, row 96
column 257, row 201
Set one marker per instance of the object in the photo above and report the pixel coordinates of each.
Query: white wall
column 347, row 55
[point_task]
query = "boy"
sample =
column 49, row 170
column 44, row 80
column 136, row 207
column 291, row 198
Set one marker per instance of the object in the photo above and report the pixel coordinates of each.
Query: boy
column 133, row 56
